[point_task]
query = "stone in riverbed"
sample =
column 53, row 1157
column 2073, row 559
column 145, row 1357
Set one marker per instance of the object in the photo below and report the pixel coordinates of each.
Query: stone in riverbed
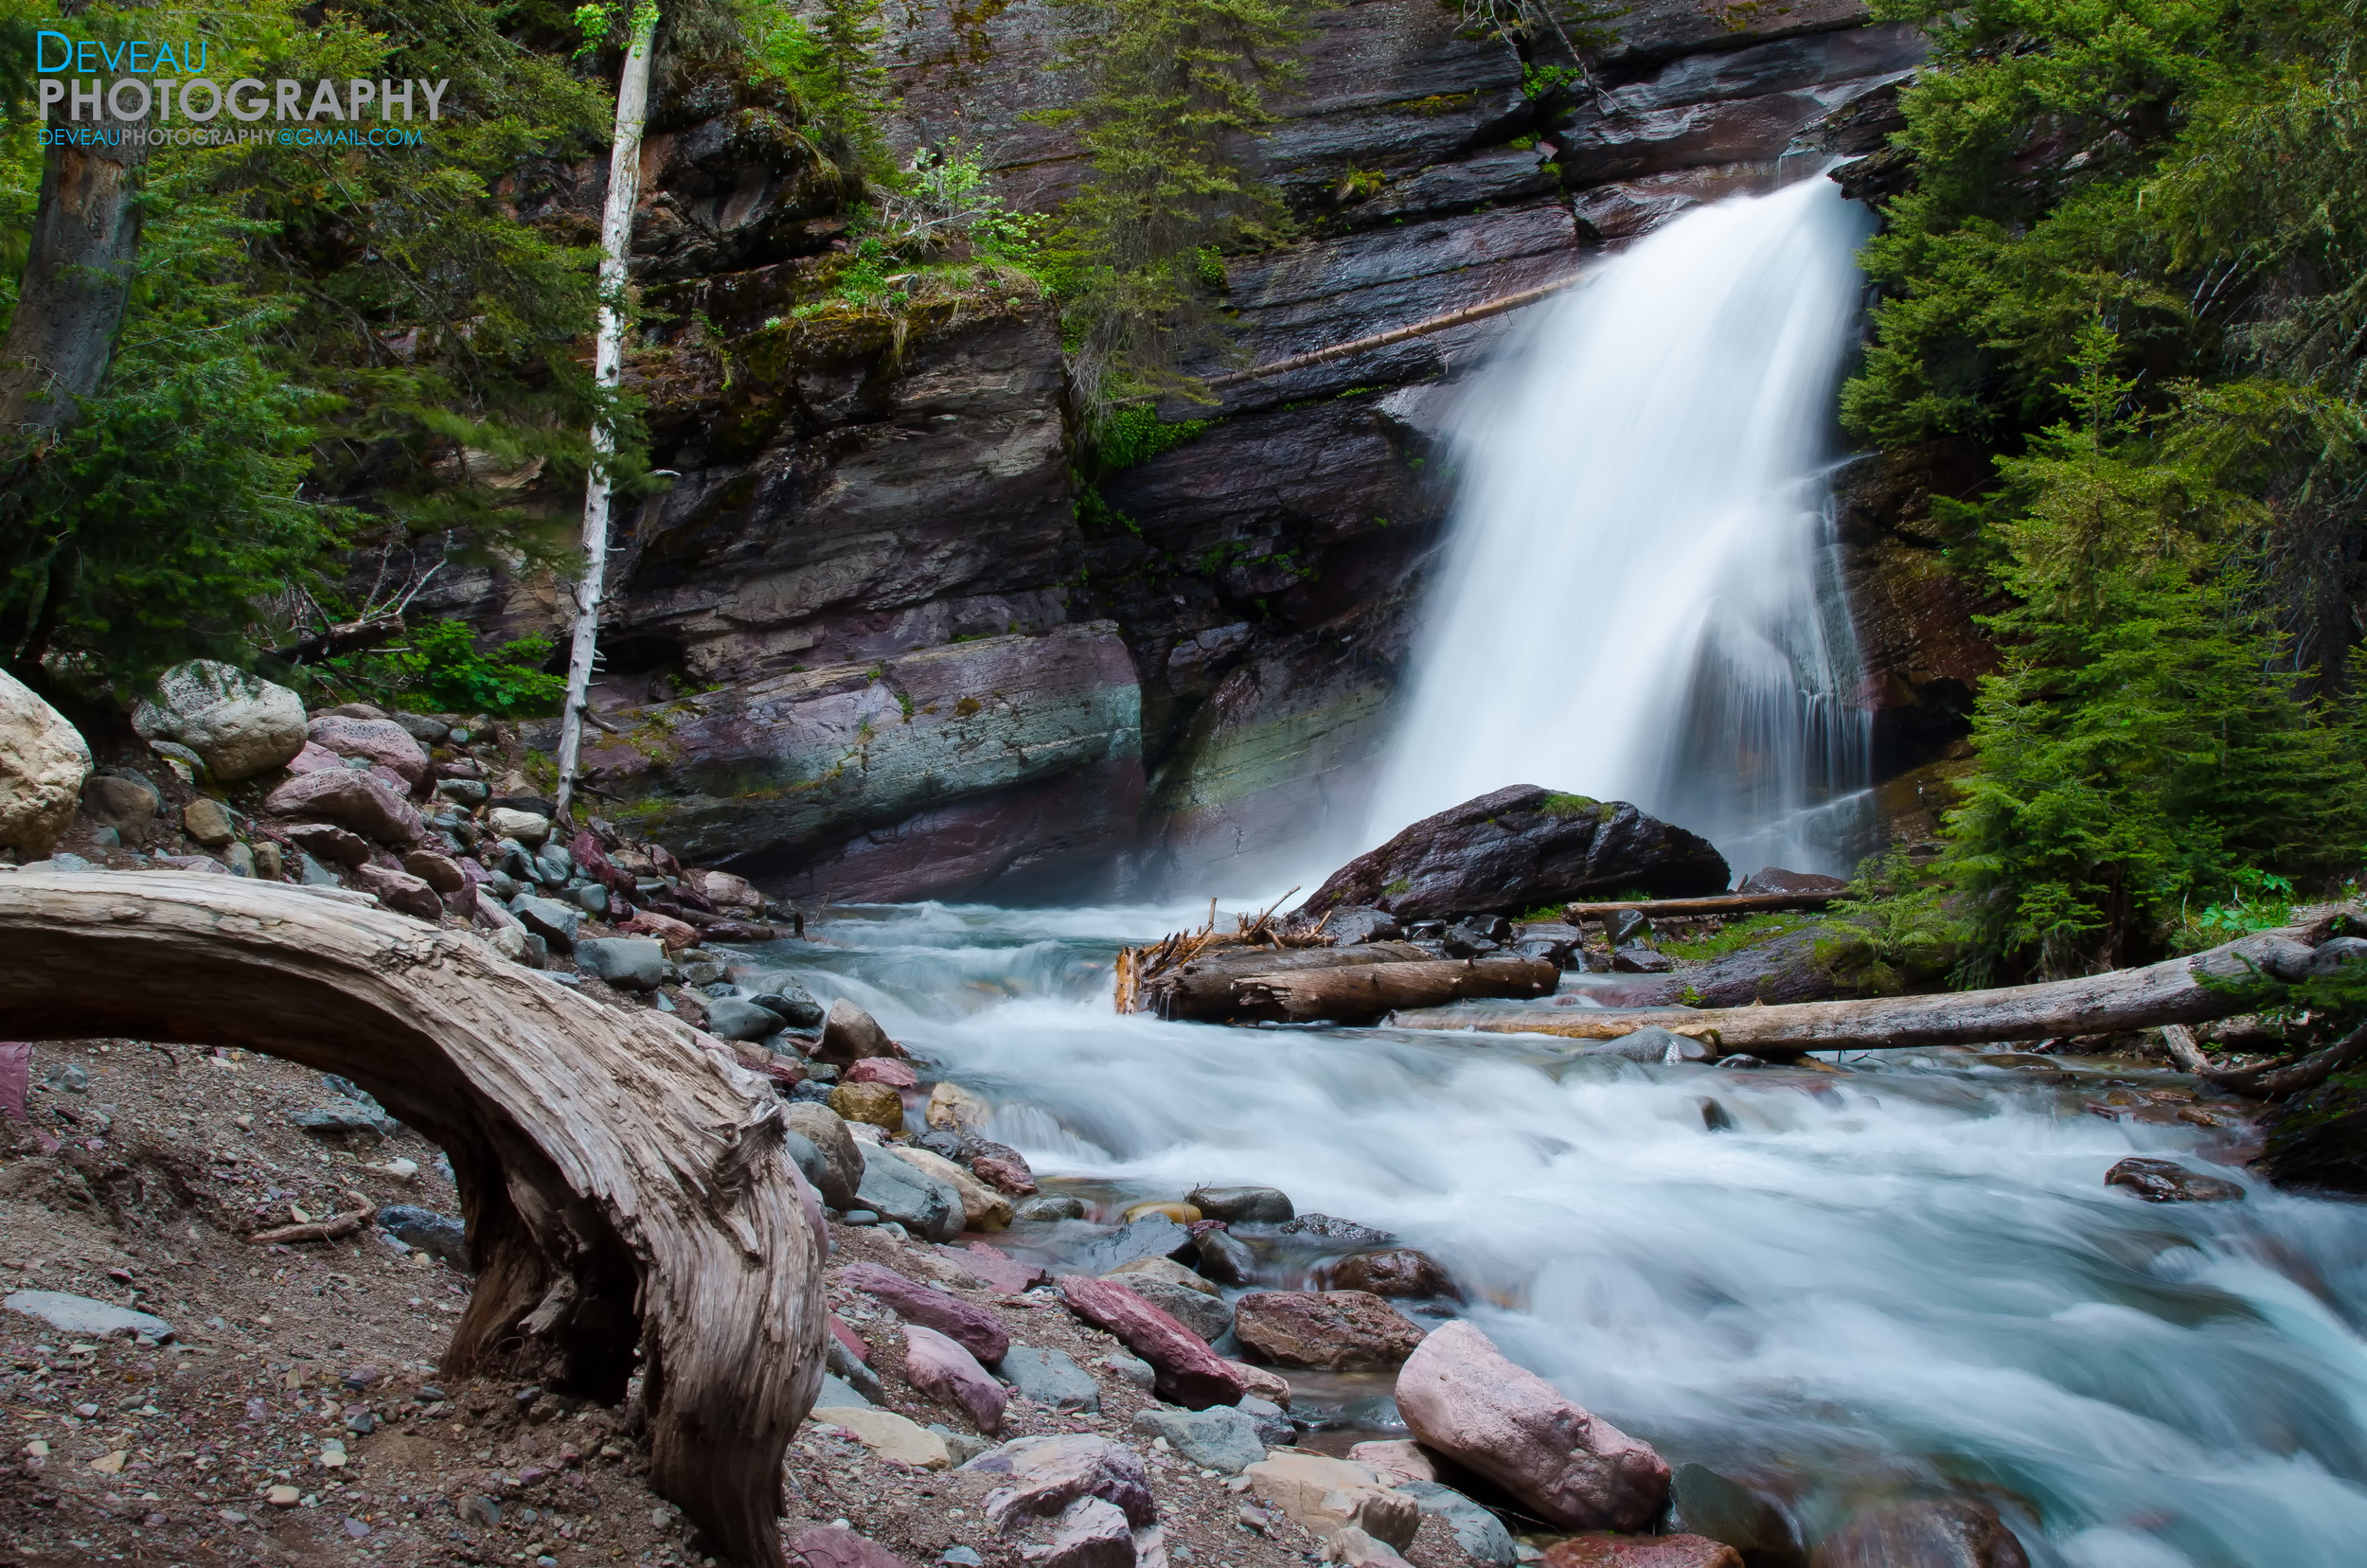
column 890, row 1436
column 1941, row 1533
column 326, row 841
column 1224, row 1440
column 1050, row 1206
column 628, row 962
column 1330, row 1228
column 2168, row 1181
column 1519, row 848
column 1477, row 1531
column 1336, row 1330
column 1088, row 1533
column 44, row 762
column 1038, row 1477
column 974, row 1328
column 1774, row 878
column 127, row 805
column 876, row 1103
column 401, row 891
column 441, row 1236
column 1206, row 1315
column 1166, row 1268
column 1400, row 1272
column 828, row 1546
column 379, row 741
column 887, row 1070
column 1635, row 958
column 998, row 1270
column 1243, row 1204
column 897, row 1190
column 1152, row 1236
column 849, row 1034
column 1329, row 1495
column 1652, row 1046
column 729, row 1018
column 210, row 822
column 556, row 924
column 350, row 799
column 1597, row 1549
column 1459, row 1395
column 440, row 872
column 1222, row 1257
column 1707, row 1504
column 1050, row 1379
column 1403, row 1457
column 938, row 1365
column 73, row 1314
column 239, row 723
column 1189, row 1373
column 528, row 828
column 983, row 1207
column 842, row 1160
column 1011, row 1176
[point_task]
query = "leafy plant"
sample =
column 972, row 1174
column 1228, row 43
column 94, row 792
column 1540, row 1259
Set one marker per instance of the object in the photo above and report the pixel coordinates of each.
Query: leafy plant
column 442, row 671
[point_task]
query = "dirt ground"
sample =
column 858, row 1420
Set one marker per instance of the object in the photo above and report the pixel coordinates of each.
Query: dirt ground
column 311, row 1368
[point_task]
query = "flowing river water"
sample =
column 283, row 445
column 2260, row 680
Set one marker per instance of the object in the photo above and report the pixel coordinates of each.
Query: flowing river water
column 1903, row 1279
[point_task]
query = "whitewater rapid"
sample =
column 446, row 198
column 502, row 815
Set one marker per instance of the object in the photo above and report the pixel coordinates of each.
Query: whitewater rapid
column 1901, row 1279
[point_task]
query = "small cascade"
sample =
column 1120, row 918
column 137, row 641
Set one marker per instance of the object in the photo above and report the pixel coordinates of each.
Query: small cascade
column 1642, row 599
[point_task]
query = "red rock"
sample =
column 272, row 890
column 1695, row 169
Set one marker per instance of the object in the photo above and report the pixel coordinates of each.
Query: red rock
column 440, row 872
column 314, row 758
column 350, row 799
column 1003, row 1175
column 1459, row 1394
column 1189, row 1373
column 848, row 1337
column 1949, row 1532
column 1400, row 1272
column 938, row 1366
column 974, row 1328
column 887, row 1070
column 16, row 1073
column 828, row 1546
column 380, row 742
column 1337, row 1330
column 673, row 933
column 1598, row 1549
column 996, row 1268
column 401, row 891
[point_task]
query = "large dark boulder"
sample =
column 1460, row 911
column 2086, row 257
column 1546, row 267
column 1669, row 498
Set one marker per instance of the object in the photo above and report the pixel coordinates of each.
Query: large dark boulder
column 1521, row 847
column 2319, row 1140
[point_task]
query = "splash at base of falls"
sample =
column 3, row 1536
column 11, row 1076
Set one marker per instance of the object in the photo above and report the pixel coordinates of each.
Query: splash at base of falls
column 1642, row 599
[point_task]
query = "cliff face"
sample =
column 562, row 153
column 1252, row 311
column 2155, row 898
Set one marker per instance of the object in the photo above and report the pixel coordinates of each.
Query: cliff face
column 864, row 643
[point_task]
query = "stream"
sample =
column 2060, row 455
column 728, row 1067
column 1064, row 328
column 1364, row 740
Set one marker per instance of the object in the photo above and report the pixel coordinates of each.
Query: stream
column 1900, row 1278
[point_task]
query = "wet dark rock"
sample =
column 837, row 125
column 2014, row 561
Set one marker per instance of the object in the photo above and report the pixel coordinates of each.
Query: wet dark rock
column 1476, row 934
column 2319, row 1139
column 1639, row 959
column 1326, row 1227
column 1152, row 1236
column 849, row 1035
column 1707, row 1504
column 1742, row 1061
column 1206, row 1315
column 1047, row 1207
column 1561, row 944
column 2168, row 1181
column 1943, row 1533
column 1623, row 926
column 1400, row 1272
column 441, row 1236
column 1348, row 927
column 1519, row 848
column 1224, row 1258
column 796, row 1005
column 1774, row 878
column 1243, row 1204
column 1716, row 1117
column 1652, row 1046
column 728, row 1017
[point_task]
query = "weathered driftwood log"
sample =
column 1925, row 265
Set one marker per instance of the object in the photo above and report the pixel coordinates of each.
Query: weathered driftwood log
column 624, row 1180
column 2169, row 992
column 1368, row 992
column 1724, row 903
column 2269, row 1080
column 1202, row 988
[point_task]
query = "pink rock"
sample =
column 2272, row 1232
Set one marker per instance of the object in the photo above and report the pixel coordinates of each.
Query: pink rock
column 1598, row 1550
column 1089, row 1533
column 1407, row 1458
column 350, row 799
column 996, row 1268
column 887, row 1070
column 828, row 1546
column 16, row 1074
column 314, row 758
column 974, row 1328
column 848, row 1337
column 1003, row 1175
column 937, row 1366
column 1190, row 1374
column 380, row 741
column 673, row 933
column 1461, row 1397
column 401, row 891
column 1042, row 1476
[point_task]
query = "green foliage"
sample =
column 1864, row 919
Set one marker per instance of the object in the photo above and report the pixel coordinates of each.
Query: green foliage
column 1136, row 435
column 1893, row 930
column 1178, row 94
column 1732, row 936
column 828, row 59
column 442, row 670
column 1570, row 805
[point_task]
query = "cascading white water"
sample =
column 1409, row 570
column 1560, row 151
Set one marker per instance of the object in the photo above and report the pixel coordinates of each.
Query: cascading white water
column 1908, row 1281
column 1638, row 603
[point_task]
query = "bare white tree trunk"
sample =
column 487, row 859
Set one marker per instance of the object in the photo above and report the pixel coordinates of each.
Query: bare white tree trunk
column 608, row 356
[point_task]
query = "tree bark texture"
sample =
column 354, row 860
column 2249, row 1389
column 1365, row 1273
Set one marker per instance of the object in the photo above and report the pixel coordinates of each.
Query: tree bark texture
column 1731, row 903
column 1201, row 988
column 85, row 246
column 1368, row 992
column 624, row 1180
column 2172, row 992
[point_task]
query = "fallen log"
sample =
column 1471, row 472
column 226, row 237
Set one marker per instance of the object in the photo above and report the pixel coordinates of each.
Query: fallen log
column 1366, row 993
column 2172, row 992
column 1724, row 903
column 2269, row 1080
column 630, row 1202
column 1201, row 988
column 335, row 1228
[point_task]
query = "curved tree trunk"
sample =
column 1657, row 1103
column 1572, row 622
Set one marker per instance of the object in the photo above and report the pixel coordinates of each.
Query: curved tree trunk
column 623, row 1177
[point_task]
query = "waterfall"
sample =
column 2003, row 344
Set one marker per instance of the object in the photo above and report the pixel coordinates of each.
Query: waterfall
column 1640, row 599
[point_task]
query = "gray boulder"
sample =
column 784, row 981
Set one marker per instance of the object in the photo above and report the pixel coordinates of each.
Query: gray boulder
column 728, row 1017
column 848, row 1368
column 842, row 1157
column 1652, row 1046
column 1049, row 1207
column 556, row 924
column 1208, row 1316
column 1477, row 1531
column 1152, row 1236
column 438, row 1235
column 85, row 1318
column 1221, row 1438
column 125, row 803
column 838, row 1394
column 896, row 1189
column 1243, row 1204
column 1273, row 1423
column 803, row 1152
column 239, row 723
column 1050, row 1379
column 785, row 996
column 43, row 760
column 628, row 963
column 849, row 1035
